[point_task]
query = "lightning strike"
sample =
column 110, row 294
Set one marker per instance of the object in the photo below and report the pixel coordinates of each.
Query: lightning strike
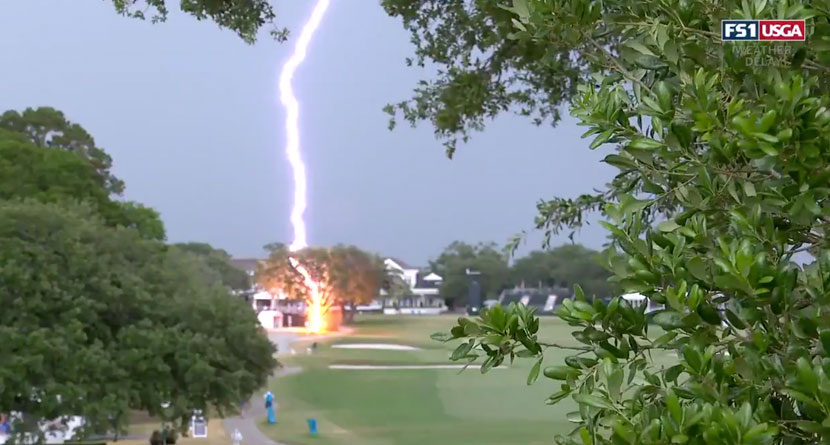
column 292, row 150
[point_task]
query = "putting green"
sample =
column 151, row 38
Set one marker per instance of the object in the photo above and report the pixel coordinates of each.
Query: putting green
column 398, row 406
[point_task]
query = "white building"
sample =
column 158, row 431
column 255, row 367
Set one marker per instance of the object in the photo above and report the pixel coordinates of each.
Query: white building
column 424, row 292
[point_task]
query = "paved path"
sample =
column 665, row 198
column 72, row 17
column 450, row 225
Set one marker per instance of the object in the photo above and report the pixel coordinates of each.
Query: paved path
column 246, row 423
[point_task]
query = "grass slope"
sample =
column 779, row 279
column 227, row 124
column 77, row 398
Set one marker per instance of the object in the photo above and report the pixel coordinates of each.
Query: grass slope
column 414, row 406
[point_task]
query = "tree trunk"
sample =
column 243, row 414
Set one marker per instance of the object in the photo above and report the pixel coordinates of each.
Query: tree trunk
column 348, row 315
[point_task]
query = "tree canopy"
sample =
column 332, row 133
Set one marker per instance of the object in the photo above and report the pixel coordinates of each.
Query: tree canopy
column 98, row 321
column 482, row 71
column 564, row 266
column 100, row 317
column 219, row 262
column 723, row 167
column 348, row 275
column 48, row 127
column 454, row 261
column 245, row 18
column 44, row 157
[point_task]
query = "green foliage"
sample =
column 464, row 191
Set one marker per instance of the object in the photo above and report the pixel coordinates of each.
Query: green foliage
column 724, row 167
column 482, row 71
column 245, row 18
column 45, row 157
column 98, row 321
column 219, row 262
column 454, row 261
column 48, row 127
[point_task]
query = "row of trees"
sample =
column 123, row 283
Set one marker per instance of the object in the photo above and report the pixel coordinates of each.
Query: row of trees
column 101, row 317
column 562, row 267
column 352, row 276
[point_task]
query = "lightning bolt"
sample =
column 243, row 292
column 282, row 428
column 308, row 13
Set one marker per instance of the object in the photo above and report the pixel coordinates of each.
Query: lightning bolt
column 292, row 151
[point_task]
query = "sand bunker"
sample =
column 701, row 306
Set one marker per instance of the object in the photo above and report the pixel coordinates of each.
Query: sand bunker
column 387, row 367
column 384, row 346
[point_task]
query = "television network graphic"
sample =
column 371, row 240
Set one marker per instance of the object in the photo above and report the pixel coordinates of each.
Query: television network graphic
column 294, row 154
column 763, row 30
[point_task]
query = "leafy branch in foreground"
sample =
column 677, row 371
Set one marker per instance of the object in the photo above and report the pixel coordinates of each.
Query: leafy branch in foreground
column 724, row 168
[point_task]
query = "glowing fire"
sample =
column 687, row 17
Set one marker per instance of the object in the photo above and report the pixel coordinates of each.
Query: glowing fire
column 292, row 150
column 315, row 310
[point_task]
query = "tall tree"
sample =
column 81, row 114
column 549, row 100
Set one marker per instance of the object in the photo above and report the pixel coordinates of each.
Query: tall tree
column 348, row 275
column 724, row 165
column 98, row 321
column 564, row 266
column 53, row 171
column 457, row 258
column 356, row 277
column 278, row 276
column 48, row 127
column 219, row 261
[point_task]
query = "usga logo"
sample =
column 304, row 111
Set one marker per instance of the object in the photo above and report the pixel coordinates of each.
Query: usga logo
column 768, row 30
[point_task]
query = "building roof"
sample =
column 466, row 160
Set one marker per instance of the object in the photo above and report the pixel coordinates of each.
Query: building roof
column 401, row 263
column 432, row 276
column 246, row 264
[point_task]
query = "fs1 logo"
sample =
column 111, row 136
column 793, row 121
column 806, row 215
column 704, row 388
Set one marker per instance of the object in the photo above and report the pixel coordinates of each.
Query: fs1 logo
column 765, row 30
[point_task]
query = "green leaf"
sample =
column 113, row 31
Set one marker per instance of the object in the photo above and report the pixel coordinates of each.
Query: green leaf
column 734, row 320
column 462, row 350
column 580, row 362
column 557, row 396
column 669, row 320
column 672, row 373
column 534, row 372
column 574, row 417
column 673, row 405
column 640, row 48
column 441, row 336
column 601, row 139
column 614, row 382
column 645, row 144
column 749, row 189
column 806, row 376
column 593, row 401
column 624, row 431
column 665, row 338
column 668, row 226
column 709, row 314
column 560, row 372
column 620, row 162
column 520, row 8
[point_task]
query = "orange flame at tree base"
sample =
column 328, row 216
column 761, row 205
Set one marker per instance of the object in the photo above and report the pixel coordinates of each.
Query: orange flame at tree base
column 314, row 313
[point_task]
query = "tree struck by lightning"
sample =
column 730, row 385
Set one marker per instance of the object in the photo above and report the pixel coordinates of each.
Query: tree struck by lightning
column 294, row 154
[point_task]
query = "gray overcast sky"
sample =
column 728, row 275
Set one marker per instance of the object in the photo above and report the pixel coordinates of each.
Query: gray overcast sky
column 191, row 117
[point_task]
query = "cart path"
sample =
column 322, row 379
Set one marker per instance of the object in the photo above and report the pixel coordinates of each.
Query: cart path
column 246, row 422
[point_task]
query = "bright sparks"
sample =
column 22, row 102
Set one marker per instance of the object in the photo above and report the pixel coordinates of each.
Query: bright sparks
column 292, row 150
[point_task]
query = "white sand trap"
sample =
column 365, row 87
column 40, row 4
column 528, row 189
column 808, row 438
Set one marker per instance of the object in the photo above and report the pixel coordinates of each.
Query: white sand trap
column 387, row 367
column 384, row 346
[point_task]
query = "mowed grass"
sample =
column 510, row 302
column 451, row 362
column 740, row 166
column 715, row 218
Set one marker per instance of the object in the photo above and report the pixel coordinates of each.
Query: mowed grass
column 415, row 406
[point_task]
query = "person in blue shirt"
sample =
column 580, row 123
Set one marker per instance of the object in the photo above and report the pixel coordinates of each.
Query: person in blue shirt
column 269, row 405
